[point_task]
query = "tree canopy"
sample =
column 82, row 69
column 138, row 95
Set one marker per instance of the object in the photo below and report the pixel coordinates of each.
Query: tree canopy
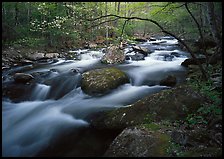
column 66, row 24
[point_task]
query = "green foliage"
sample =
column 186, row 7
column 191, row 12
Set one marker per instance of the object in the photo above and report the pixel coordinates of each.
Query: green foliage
column 58, row 22
column 30, row 42
column 174, row 149
column 152, row 126
column 207, row 110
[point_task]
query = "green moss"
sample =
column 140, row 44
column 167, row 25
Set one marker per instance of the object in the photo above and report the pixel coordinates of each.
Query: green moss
column 174, row 148
column 100, row 81
column 163, row 144
column 152, row 126
column 148, row 119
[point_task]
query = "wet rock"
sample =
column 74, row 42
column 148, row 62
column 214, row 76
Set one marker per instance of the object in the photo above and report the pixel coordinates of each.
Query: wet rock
column 169, row 81
column 175, row 54
column 138, row 142
column 172, row 104
column 74, row 70
column 113, row 55
column 141, row 50
column 193, row 62
column 152, row 39
column 22, row 77
column 26, row 62
column 140, row 40
column 51, row 55
column 135, row 57
column 17, row 92
column 101, row 81
column 35, row 56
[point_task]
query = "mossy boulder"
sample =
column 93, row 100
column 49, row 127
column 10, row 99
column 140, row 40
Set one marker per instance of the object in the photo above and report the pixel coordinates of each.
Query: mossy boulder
column 139, row 142
column 113, row 55
column 163, row 139
column 172, row 104
column 101, row 81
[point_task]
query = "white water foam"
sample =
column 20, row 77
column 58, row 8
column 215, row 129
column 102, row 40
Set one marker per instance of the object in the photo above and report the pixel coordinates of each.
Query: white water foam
column 40, row 92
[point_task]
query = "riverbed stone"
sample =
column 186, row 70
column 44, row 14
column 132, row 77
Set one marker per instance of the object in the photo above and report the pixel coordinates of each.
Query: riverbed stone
column 113, row 55
column 17, row 92
column 35, row 56
column 101, row 81
column 169, row 81
column 141, row 50
column 22, row 77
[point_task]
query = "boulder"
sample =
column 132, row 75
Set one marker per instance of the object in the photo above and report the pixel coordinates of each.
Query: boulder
column 35, row 56
column 101, row 81
column 17, row 92
column 113, row 55
column 51, row 55
column 175, row 54
column 22, row 77
column 193, row 62
column 169, row 81
column 172, row 104
column 163, row 139
column 138, row 142
column 141, row 50
column 135, row 57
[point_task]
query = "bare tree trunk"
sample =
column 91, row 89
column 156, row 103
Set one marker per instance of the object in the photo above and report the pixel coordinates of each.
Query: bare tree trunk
column 116, row 21
column 212, row 22
column 107, row 29
column 16, row 13
column 200, row 32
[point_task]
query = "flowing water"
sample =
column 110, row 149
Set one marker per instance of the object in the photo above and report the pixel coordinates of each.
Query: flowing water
column 57, row 105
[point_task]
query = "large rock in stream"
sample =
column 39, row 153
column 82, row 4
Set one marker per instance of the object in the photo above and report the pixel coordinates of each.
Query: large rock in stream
column 22, row 77
column 172, row 104
column 101, row 81
column 113, row 55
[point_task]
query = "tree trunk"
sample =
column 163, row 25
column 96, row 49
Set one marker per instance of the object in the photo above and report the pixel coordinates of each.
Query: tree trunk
column 16, row 13
column 116, row 21
column 212, row 22
column 107, row 29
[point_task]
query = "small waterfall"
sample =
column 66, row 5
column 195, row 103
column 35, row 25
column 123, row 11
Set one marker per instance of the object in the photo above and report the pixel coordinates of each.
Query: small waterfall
column 40, row 92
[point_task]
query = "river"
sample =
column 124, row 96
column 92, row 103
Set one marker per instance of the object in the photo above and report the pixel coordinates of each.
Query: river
column 57, row 105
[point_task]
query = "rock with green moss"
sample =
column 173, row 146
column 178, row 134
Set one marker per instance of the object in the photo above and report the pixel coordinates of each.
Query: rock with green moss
column 172, row 104
column 139, row 142
column 101, row 81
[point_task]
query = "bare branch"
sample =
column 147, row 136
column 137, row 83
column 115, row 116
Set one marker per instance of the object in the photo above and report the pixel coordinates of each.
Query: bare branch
column 103, row 22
